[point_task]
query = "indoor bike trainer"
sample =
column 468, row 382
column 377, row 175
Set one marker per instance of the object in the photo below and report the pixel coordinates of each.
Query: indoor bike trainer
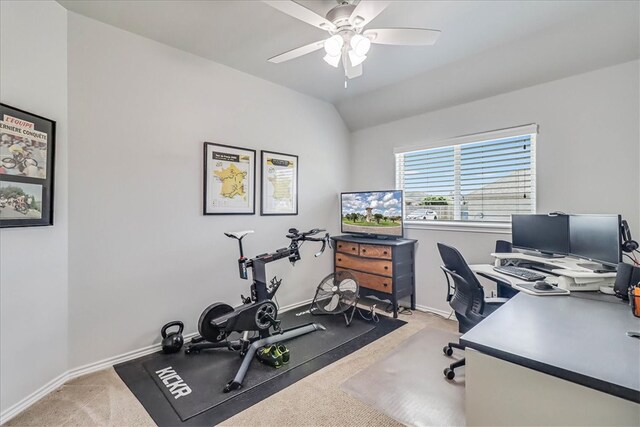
column 258, row 314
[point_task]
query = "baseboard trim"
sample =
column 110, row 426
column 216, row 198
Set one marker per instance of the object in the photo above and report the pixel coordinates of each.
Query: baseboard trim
column 446, row 314
column 90, row 368
column 15, row 409
column 290, row 307
column 111, row 361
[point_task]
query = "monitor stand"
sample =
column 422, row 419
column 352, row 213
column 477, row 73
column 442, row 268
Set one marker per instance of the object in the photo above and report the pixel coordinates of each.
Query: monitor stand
column 382, row 237
column 544, row 254
column 597, row 267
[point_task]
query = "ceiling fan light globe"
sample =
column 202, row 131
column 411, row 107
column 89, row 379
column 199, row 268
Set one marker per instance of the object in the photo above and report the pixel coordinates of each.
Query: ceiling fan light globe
column 333, row 45
column 356, row 59
column 332, row 60
column 360, row 44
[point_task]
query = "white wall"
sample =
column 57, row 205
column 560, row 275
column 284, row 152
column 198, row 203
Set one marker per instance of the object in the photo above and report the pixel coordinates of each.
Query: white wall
column 33, row 261
column 141, row 253
column 587, row 155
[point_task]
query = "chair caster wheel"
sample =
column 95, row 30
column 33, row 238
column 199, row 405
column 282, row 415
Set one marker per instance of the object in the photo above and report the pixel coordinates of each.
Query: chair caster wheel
column 448, row 372
column 447, row 350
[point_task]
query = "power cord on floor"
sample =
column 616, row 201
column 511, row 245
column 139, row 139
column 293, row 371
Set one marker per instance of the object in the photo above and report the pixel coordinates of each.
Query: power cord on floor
column 442, row 315
column 371, row 316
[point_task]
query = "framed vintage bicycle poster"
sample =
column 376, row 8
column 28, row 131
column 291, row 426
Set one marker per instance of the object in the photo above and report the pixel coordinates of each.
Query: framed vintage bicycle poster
column 27, row 143
column 229, row 180
column 279, row 183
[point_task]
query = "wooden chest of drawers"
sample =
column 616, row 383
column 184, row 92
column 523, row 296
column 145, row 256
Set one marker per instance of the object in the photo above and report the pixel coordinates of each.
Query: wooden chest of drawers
column 384, row 268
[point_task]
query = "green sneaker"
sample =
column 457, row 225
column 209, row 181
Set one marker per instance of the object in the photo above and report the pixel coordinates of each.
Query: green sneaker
column 270, row 355
column 285, row 353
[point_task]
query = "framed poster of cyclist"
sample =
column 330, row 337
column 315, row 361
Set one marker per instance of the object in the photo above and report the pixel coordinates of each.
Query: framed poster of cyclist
column 27, row 144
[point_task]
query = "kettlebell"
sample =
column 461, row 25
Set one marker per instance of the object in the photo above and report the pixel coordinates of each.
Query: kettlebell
column 172, row 342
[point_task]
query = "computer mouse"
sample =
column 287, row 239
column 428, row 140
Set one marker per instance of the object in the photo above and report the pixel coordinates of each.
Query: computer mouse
column 542, row 286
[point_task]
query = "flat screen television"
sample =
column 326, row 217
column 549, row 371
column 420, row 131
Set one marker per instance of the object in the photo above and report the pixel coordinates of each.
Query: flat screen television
column 374, row 213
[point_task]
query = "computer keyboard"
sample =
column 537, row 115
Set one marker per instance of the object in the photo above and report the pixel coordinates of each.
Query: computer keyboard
column 520, row 273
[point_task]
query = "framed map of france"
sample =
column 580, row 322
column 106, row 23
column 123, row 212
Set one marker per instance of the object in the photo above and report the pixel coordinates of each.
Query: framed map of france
column 279, row 183
column 229, row 180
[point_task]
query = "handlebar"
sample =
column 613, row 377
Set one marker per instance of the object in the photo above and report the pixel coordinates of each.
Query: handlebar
column 297, row 236
column 326, row 240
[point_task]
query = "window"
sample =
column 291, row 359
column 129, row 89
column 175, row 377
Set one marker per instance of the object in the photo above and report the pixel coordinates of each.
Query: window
column 482, row 178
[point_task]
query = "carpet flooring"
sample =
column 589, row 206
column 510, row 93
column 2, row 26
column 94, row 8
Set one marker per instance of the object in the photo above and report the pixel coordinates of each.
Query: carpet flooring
column 102, row 399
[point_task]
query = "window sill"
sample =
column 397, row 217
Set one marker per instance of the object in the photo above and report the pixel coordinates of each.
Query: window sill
column 468, row 227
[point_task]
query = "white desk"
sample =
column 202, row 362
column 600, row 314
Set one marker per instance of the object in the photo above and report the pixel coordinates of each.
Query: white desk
column 570, row 275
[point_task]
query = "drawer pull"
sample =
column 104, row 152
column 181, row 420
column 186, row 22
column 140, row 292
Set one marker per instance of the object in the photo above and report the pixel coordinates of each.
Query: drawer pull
column 339, row 259
column 353, row 249
column 385, row 252
column 386, row 267
column 385, row 284
column 339, row 246
column 364, row 250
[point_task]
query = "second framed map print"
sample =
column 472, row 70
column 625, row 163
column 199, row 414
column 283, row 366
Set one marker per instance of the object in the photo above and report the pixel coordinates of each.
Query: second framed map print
column 279, row 184
column 229, row 180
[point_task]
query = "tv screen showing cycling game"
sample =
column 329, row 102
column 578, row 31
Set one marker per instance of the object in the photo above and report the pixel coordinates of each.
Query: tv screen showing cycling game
column 372, row 212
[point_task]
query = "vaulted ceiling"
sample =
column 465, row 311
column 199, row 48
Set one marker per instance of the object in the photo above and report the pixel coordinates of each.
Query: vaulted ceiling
column 486, row 47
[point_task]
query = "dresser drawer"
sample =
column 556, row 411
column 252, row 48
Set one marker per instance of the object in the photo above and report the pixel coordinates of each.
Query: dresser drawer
column 375, row 251
column 348, row 248
column 371, row 281
column 376, row 266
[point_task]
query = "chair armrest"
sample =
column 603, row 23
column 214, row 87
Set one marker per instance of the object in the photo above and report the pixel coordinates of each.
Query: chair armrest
column 495, row 301
column 492, row 304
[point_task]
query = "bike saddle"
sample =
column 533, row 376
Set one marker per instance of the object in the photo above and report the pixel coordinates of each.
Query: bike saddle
column 238, row 234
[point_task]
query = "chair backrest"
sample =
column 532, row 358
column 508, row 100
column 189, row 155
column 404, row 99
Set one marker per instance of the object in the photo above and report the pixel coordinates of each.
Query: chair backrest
column 503, row 247
column 468, row 298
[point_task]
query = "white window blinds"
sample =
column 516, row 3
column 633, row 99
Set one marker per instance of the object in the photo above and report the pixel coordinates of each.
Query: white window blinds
column 485, row 180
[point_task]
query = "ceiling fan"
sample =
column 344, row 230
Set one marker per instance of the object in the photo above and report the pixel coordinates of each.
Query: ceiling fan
column 349, row 42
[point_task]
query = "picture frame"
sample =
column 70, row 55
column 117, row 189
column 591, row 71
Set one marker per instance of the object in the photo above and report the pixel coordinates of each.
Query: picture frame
column 229, row 180
column 27, row 162
column 279, row 185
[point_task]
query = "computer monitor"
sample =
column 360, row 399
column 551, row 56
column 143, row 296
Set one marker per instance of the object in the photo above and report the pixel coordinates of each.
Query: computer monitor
column 596, row 238
column 548, row 234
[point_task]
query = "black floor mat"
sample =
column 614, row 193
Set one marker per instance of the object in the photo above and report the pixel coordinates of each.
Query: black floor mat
column 207, row 373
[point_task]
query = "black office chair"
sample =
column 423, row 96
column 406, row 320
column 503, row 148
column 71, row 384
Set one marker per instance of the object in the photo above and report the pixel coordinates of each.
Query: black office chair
column 467, row 299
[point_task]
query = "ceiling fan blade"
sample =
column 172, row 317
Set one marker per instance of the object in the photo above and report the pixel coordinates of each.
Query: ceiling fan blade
column 403, row 36
column 366, row 11
column 349, row 70
column 300, row 12
column 297, row 52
